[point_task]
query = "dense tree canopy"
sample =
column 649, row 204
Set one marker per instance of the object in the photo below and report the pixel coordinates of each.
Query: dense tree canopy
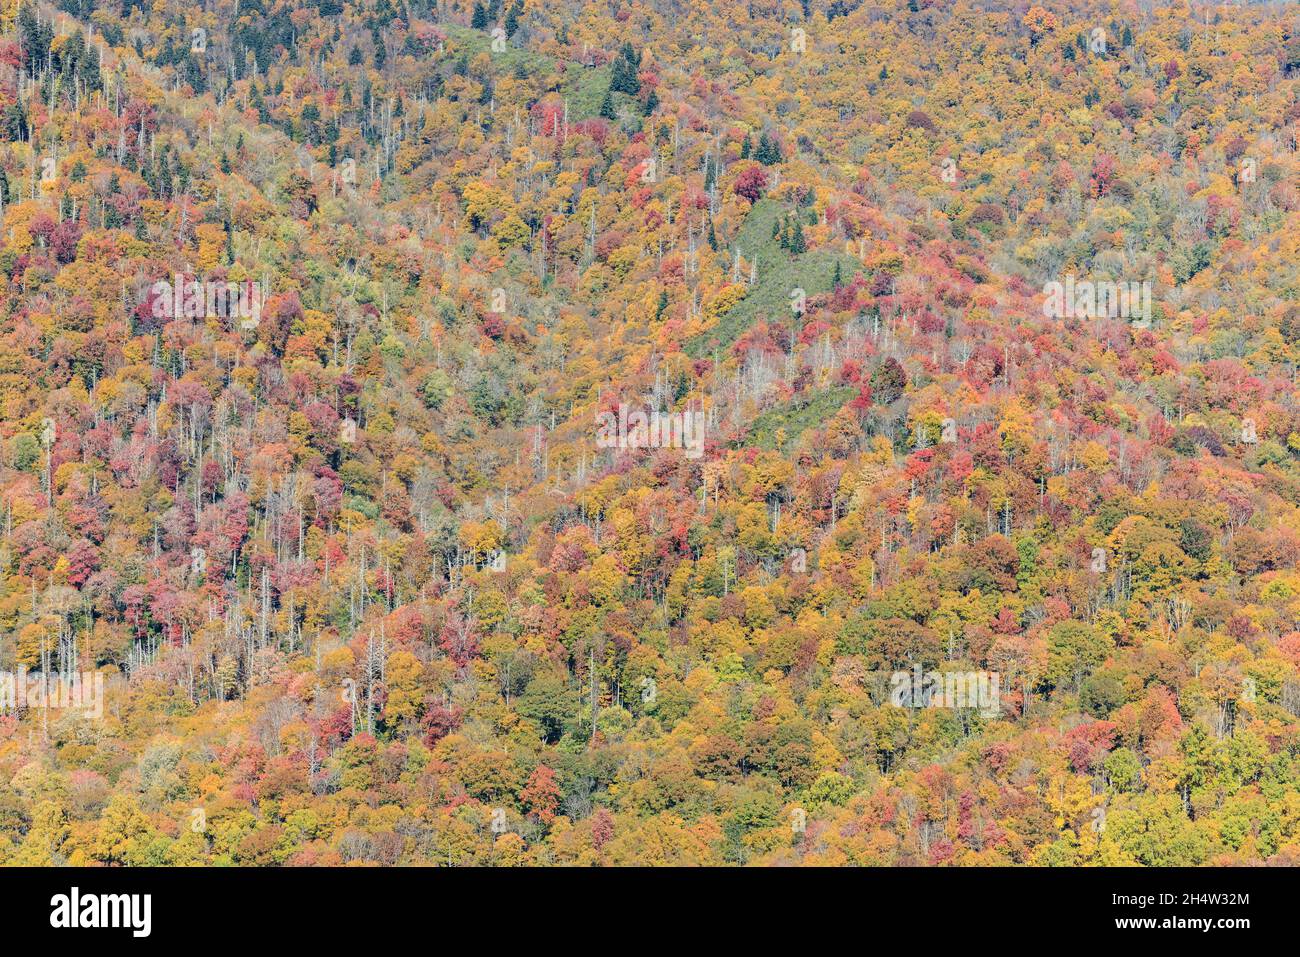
column 364, row 585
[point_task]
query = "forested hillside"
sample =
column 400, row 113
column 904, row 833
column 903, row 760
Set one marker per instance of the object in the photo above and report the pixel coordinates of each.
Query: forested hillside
column 369, row 579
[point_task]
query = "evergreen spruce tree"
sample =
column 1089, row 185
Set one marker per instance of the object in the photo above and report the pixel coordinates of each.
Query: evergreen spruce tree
column 607, row 107
column 623, row 78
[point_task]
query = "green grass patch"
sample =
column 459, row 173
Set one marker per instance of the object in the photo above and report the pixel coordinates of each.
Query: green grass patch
column 779, row 273
column 470, row 43
column 583, row 88
column 796, row 417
